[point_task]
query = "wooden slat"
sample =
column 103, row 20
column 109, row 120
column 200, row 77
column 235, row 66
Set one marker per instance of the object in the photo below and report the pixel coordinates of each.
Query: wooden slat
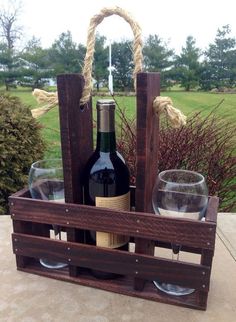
column 76, row 133
column 148, row 87
column 142, row 225
column 76, row 141
column 108, row 260
column 122, row 286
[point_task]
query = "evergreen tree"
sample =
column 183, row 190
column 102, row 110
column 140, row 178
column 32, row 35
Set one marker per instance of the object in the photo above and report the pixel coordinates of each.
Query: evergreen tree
column 100, row 62
column 66, row 56
column 220, row 63
column 122, row 61
column 158, row 58
column 187, row 65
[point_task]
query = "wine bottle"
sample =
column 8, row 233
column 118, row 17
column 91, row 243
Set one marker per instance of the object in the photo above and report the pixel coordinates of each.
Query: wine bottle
column 106, row 180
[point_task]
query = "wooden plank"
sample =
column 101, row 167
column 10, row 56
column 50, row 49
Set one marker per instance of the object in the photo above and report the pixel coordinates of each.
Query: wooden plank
column 142, row 225
column 76, row 141
column 148, row 87
column 76, row 133
column 122, row 286
column 211, row 214
column 108, row 260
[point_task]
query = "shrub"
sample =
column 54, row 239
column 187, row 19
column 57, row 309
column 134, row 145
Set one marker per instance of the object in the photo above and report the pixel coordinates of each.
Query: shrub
column 205, row 145
column 20, row 145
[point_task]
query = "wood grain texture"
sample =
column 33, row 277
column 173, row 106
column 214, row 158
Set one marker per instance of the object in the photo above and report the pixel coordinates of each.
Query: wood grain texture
column 108, row 260
column 137, row 224
column 148, row 87
column 76, row 133
column 76, row 141
column 122, row 286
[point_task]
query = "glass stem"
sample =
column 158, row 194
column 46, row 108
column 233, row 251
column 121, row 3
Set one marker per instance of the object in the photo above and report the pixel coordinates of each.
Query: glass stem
column 175, row 251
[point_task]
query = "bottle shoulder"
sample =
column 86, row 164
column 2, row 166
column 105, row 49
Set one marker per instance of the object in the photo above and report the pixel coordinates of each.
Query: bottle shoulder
column 106, row 159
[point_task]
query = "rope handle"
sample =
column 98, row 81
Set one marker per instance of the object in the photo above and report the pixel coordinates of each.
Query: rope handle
column 160, row 104
column 88, row 61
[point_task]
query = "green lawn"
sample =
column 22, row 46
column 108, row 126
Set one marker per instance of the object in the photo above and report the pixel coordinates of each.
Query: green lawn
column 187, row 102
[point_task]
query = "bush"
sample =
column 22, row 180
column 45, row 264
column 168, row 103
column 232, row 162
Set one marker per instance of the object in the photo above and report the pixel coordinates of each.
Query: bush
column 20, row 145
column 205, row 145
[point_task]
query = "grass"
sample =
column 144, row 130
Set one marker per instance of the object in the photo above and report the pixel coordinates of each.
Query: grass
column 187, row 102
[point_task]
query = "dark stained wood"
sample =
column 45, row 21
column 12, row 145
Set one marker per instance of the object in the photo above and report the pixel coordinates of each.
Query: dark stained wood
column 76, row 133
column 142, row 225
column 211, row 214
column 108, row 260
column 76, row 141
column 122, row 285
column 148, row 87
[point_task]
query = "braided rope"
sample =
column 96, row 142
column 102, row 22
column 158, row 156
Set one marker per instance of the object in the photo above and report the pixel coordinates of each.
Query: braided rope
column 88, row 61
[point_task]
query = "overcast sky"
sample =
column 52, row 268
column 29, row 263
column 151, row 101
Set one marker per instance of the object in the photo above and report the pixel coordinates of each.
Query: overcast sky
column 172, row 20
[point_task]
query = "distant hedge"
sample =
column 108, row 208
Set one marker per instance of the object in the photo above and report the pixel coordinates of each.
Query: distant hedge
column 21, row 144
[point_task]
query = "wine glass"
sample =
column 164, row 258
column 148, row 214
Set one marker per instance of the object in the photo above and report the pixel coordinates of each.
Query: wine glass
column 183, row 194
column 46, row 183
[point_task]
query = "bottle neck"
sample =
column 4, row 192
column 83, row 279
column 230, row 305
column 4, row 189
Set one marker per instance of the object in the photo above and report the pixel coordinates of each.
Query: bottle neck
column 106, row 141
column 106, row 138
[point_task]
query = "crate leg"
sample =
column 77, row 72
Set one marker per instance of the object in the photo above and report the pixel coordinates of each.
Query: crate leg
column 206, row 259
column 148, row 87
column 27, row 228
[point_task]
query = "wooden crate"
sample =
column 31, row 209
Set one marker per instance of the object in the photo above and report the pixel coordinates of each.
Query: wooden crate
column 32, row 219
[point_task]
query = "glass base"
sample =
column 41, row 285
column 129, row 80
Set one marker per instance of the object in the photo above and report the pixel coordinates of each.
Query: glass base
column 172, row 289
column 51, row 264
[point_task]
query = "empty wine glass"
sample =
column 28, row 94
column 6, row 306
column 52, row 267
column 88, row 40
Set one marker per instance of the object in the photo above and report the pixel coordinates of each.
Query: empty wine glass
column 46, row 183
column 179, row 193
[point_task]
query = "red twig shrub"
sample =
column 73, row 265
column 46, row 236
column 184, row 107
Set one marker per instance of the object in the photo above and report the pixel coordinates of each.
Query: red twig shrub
column 205, row 145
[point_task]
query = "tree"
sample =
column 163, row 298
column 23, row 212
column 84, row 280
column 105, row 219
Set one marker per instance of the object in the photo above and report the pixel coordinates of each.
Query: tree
column 220, row 62
column 158, row 57
column 187, row 64
column 10, row 32
column 34, row 62
column 122, row 61
column 65, row 56
column 100, row 73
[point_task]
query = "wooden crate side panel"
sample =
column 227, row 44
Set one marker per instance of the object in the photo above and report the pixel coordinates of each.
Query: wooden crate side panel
column 108, row 260
column 142, row 225
column 122, row 286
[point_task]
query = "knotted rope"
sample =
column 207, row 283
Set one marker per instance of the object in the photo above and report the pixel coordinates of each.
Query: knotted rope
column 160, row 104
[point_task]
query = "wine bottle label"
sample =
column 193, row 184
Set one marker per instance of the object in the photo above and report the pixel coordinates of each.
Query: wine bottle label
column 118, row 203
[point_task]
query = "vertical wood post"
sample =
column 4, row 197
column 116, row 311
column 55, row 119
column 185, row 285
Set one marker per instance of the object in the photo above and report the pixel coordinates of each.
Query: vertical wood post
column 76, row 142
column 148, row 87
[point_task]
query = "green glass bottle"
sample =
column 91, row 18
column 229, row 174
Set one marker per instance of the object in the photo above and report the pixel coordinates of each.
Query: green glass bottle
column 106, row 180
